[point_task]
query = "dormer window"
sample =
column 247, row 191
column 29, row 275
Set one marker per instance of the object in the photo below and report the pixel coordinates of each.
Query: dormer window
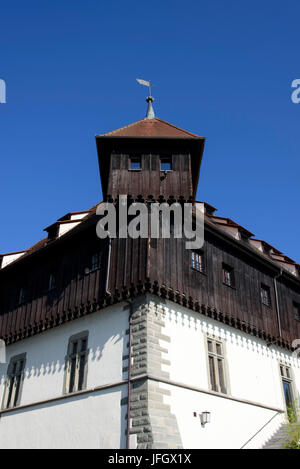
column 53, row 232
column 135, row 163
column 244, row 236
column 166, row 163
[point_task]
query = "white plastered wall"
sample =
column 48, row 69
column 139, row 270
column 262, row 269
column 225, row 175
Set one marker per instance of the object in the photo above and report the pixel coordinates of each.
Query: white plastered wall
column 253, row 375
column 92, row 420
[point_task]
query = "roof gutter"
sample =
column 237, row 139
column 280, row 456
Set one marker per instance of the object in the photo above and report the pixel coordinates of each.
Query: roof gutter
column 277, row 302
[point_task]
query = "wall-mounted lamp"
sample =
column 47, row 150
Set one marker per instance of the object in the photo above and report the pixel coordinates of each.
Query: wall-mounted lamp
column 205, row 418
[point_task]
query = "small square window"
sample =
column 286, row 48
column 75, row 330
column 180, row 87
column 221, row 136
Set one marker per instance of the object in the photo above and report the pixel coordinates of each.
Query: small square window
column 296, row 309
column 166, row 163
column 265, row 295
column 228, row 276
column 135, row 163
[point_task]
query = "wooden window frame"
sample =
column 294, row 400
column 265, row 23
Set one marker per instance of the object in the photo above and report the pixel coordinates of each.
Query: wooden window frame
column 290, row 378
column 13, row 386
column 95, row 265
column 137, row 159
column 169, row 159
column 22, row 296
column 218, row 376
column 68, row 387
column 195, row 264
column 227, row 269
column 267, row 289
column 52, row 281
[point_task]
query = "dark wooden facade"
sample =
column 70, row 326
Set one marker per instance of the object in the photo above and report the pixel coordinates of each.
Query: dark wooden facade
column 162, row 266
column 117, row 178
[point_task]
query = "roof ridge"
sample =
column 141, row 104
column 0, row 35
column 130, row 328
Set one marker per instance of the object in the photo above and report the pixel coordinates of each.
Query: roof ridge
column 177, row 128
column 155, row 120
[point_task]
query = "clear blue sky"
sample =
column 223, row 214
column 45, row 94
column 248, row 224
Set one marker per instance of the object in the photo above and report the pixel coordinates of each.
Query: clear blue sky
column 222, row 69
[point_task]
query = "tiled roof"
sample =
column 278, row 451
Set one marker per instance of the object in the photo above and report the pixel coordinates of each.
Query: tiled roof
column 43, row 242
column 150, row 128
column 221, row 223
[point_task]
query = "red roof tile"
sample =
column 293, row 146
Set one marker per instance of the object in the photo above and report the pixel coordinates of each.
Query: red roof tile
column 150, row 128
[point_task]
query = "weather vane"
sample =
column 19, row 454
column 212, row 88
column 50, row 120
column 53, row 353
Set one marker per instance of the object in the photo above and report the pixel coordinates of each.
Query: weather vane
column 150, row 112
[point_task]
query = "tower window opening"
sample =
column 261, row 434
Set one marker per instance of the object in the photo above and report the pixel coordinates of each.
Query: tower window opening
column 166, row 163
column 135, row 163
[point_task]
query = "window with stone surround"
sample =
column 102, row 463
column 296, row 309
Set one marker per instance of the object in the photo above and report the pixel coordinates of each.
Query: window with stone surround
column 76, row 363
column 217, row 366
column 289, row 391
column 14, row 381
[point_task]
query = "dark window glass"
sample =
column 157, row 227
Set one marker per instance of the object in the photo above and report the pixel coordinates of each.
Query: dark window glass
column 228, row 275
column 265, row 295
column 22, row 296
column 11, row 385
column 83, row 345
column 52, row 281
column 95, row 262
column 221, row 376
column 287, row 388
column 212, row 374
column 218, row 349
column 14, row 383
column 287, row 381
column 74, row 348
column 72, row 375
column 77, row 364
column 81, row 372
column 166, row 163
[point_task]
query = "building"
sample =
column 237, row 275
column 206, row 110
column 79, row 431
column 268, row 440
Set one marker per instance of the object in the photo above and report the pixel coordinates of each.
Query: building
column 134, row 343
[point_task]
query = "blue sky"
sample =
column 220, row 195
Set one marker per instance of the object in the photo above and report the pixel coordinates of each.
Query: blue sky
column 222, row 70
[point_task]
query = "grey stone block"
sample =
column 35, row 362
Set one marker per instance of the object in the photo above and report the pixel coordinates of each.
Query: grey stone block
column 137, row 430
column 136, row 413
column 149, row 415
column 142, row 439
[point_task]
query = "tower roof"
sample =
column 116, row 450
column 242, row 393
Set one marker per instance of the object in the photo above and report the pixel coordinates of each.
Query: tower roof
column 151, row 128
